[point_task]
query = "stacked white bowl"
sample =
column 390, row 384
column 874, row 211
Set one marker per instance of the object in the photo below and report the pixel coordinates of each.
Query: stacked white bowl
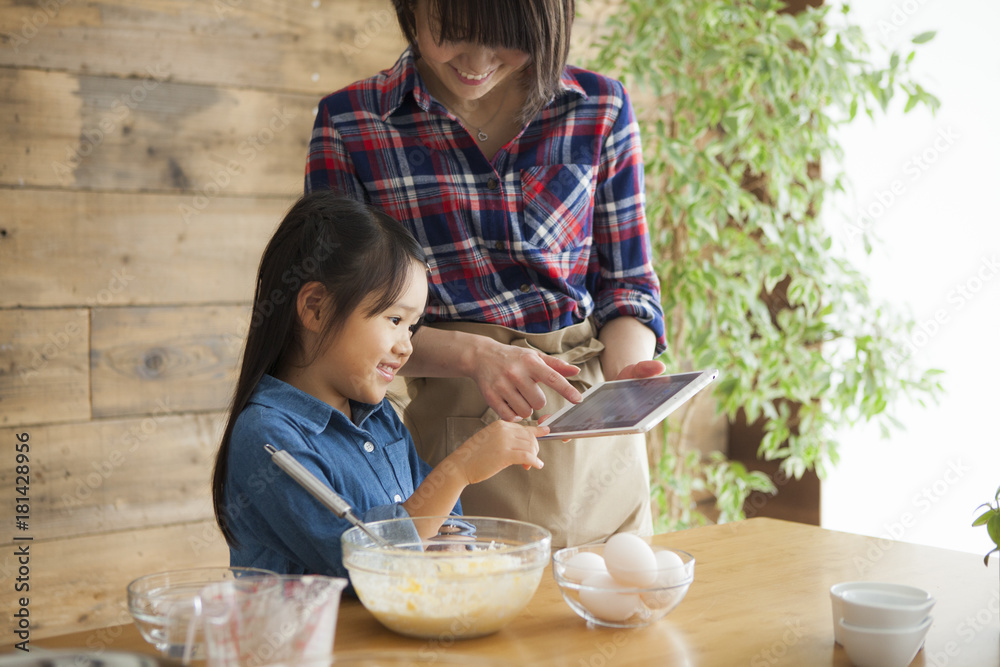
column 880, row 624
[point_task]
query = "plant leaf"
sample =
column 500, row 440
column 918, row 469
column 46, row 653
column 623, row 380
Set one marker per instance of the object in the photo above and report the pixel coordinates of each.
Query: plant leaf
column 993, row 528
column 740, row 104
column 982, row 518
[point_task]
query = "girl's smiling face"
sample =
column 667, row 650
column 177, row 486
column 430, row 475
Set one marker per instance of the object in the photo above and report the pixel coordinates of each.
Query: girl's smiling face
column 364, row 357
column 466, row 70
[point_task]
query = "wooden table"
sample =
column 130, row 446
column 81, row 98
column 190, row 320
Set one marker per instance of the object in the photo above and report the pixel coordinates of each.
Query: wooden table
column 760, row 597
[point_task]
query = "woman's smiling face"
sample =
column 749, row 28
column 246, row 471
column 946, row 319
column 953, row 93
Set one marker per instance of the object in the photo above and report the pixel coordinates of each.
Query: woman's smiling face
column 467, row 70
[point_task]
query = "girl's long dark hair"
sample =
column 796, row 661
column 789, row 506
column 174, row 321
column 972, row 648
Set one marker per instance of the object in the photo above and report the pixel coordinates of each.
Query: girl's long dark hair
column 358, row 253
column 540, row 28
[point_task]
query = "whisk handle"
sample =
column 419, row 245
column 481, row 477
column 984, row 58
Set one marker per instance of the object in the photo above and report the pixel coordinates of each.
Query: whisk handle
column 308, row 481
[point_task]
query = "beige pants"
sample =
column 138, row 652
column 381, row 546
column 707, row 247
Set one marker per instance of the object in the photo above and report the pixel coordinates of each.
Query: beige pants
column 589, row 487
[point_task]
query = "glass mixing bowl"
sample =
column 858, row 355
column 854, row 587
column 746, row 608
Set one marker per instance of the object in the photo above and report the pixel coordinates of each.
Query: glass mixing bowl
column 164, row 603
column 469, row 578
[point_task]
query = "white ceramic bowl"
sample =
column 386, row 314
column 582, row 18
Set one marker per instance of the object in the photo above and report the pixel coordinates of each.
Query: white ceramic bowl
column 875, row 609
column 909, row 597
column 598, row 599
column 883, row 647
column 452, row 585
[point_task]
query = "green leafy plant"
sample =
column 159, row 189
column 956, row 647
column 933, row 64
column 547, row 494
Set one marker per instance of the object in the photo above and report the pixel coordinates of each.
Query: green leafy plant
column 737, row 104
column 991, row 519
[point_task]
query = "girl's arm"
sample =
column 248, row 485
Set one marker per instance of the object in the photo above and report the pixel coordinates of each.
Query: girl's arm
column 489, row 451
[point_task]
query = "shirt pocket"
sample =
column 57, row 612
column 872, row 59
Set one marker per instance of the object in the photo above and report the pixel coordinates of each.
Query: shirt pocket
column 398, row 455
column 558, row 202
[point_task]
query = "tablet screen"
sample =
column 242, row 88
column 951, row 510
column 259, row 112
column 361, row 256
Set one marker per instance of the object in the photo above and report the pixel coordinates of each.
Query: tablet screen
column 615, row 405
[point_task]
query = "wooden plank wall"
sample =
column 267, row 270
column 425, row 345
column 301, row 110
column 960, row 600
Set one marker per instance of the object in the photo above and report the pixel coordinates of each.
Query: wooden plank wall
column 147, row 150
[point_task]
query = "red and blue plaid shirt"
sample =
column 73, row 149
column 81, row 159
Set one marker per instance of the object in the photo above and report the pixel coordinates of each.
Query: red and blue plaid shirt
column 550, row 232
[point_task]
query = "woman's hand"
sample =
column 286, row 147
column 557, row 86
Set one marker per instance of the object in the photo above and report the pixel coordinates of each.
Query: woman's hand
column 629, row 346
column 508, row 378
column 642, row 369
column 495, row 447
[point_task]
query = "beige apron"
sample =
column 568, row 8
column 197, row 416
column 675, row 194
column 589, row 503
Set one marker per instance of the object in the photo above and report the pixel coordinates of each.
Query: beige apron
column 589, row 487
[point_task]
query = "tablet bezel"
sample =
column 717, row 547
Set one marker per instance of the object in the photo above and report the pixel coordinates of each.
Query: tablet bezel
column 699, row 381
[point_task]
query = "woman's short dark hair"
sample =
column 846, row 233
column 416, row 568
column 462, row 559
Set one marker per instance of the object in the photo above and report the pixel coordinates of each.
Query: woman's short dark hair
column 540, row 28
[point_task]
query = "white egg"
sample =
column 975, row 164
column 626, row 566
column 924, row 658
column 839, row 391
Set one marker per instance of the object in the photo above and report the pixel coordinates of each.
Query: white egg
column 663, row 598
column 669, row 577
column 669, row 569
column 630, row 560
column 583, row 564
column 604, row 598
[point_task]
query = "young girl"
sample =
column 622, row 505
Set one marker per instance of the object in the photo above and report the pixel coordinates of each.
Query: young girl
column 340, row 291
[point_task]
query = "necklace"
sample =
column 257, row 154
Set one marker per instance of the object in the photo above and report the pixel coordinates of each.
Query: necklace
column 482, row 136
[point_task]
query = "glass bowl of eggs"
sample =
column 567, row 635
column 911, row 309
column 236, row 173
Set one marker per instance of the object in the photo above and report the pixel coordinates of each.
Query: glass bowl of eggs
column 625, row 582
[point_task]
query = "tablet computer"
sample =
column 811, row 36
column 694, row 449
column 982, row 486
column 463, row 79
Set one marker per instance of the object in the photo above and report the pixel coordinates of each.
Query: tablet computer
column 626, row 406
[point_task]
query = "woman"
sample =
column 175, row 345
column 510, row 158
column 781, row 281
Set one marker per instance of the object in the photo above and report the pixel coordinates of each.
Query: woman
column 522, row 179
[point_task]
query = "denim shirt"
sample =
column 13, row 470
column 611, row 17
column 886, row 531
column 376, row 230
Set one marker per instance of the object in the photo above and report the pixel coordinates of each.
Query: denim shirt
column 371, row 462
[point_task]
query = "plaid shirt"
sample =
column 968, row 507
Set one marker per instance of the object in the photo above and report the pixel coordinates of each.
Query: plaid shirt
column 551, row 232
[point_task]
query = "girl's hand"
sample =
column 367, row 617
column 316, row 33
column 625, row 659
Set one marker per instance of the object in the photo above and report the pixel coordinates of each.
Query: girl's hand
column 541, row 421
column 508, row 378
column 497, row 446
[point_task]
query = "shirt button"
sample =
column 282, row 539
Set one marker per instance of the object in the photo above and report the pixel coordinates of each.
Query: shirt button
column 492, row 183
column 525, row 288
column 369, row 447
column 396, row 498
column 498, row 245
